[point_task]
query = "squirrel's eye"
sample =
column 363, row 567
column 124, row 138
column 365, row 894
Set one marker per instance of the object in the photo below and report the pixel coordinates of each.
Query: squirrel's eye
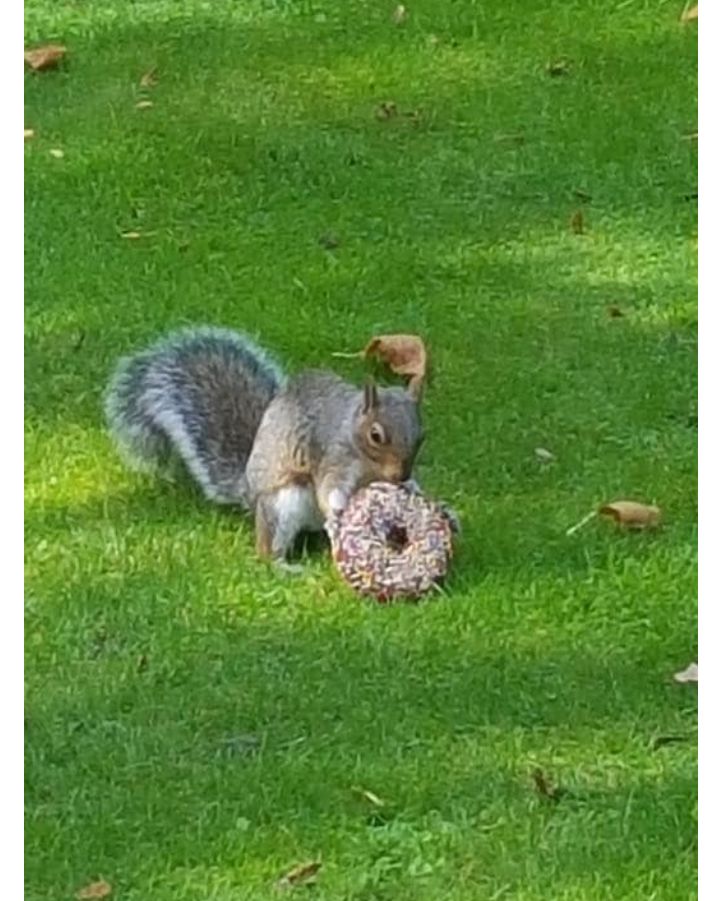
column 377, row 433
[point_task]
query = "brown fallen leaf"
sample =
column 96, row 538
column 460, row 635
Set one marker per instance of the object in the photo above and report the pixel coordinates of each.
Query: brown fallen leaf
column 29, row 133
column 42, row 58
column 400, row 14
column 690, row 14
column 614, row 312
column 57, row 153
column 386, row 110
column 545, row 787
column 689, row 674
column 149, row 79
column 100, row 889
column 577, row 223
column 632, row 514
column 558, row 67
column 303, row 874
column 402, row 354
column 143, row 104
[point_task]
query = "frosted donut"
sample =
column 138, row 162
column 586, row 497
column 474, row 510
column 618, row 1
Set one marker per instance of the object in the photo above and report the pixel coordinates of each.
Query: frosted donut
column 391, row 543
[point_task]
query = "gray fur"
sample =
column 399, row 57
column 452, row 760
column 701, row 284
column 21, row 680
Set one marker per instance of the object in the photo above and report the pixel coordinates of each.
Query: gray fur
column 199, row 394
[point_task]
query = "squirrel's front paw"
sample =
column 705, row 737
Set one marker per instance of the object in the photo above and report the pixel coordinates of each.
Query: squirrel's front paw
column 337, row 501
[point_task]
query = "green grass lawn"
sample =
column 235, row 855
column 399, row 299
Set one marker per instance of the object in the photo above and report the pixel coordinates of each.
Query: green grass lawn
column 196, row 725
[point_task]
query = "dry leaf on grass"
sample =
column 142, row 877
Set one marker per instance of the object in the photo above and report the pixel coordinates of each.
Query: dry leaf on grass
column 544, row 455
column 690, row 14
column 303, row 874
column 577, row 222
column 692, row 136
column 42, row 58
column 29, row 133
column 402, row 354
column 582, row 195
column 100, row 889
column 143, row 104
column 149, row 79
column 400, row 14
column 57, row 153
column 689, row 674
column 632, row 514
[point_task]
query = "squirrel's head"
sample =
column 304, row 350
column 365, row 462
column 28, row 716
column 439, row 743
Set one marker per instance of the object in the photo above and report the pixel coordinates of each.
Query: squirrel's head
column 388, row 431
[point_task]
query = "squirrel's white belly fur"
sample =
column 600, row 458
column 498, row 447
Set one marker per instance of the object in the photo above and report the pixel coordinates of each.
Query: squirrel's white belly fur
column 297, row 504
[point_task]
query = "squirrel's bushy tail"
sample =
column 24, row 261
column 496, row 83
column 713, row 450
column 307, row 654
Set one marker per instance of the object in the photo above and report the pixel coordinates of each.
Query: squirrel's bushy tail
column 199, row 394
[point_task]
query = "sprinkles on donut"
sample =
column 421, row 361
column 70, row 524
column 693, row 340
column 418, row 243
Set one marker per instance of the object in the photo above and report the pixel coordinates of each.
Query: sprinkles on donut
column 391, row 542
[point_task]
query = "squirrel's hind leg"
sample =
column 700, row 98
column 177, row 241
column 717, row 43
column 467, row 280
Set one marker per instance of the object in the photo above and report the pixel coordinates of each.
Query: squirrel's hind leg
column 280, row 517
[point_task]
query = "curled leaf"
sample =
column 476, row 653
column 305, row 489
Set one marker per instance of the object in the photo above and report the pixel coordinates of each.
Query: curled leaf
column 42, row 58
column 100, row 889
column 632, row 514
column 689, row 674
column 403, row 355
column 303, row 874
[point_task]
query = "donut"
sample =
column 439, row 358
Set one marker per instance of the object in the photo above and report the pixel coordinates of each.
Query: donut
column 391, row 543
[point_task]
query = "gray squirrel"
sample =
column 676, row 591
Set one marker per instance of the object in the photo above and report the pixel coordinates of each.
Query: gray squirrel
column 291, row 450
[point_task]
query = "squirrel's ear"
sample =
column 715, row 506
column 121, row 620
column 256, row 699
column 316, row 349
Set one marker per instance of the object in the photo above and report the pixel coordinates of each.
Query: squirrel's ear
column 415, row 388
column 370, row 397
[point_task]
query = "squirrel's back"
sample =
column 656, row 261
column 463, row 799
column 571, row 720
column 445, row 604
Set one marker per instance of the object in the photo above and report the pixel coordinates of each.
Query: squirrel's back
column 199, row 393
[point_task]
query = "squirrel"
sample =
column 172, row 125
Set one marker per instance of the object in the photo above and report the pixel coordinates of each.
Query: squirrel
column 292, row 450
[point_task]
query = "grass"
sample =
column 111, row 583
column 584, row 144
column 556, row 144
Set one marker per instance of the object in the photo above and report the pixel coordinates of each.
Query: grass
column 195, row 725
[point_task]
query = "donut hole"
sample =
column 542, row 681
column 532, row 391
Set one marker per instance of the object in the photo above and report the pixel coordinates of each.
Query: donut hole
column 396, row 538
